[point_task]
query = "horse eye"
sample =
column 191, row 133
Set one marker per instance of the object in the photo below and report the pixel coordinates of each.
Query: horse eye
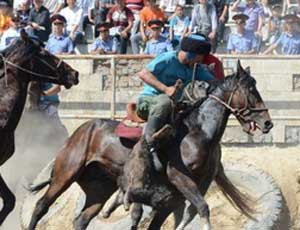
column 251, row 88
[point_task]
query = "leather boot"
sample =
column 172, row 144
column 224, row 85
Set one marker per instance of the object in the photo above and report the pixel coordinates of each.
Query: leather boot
column 153, row 125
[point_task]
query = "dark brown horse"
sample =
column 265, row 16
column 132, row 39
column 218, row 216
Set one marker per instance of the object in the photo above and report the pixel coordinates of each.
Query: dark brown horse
column 94, row 156
column 23, row 61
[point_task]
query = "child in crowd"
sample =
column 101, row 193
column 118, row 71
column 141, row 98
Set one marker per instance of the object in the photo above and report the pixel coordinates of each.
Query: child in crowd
column 179, row 25
column 104, row 44
column 5, row 16
column 157, row 44
column 98, row 13
column 11, row 33
column 275, row 23
column 23, row 12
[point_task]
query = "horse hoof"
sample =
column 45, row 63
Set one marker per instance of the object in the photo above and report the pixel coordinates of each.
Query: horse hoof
column 105, row 215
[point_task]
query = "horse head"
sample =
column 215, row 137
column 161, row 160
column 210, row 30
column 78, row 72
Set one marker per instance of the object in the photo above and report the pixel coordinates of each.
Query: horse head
column 245, row 102
column 27, row 55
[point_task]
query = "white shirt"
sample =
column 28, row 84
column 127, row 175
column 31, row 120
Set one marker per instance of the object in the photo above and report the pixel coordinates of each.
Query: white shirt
column 73, row 16
column 170, row 5
column 52, row 4
column 85, row 5
column 8, row 36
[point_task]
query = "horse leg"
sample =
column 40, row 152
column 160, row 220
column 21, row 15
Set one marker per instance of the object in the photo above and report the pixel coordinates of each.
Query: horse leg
column 9, row 200
column 136, row 212
column 95, row 199
column 161, row 213
column 114, row 205
column 136, row 215
column 180, row 179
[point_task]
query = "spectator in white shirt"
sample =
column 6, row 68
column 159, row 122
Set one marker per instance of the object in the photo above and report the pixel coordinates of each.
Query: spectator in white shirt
column 11, row 33
column 74, row 16
column 169, row 6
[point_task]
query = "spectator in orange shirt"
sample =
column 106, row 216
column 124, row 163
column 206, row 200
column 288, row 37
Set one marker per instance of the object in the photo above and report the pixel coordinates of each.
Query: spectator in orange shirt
column 5, row 16
column 150, row 12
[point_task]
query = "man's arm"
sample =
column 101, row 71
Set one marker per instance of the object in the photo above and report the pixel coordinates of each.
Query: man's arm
column 55, row 89
column 235, row 5
column 270, row 49
column 151, row 80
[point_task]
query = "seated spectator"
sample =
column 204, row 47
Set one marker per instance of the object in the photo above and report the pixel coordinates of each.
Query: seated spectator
column 243, row 41
column 5, row 16
column 11, row 33
column 97, row 14
column 157, row 44
column 256, row 17
column 54, row 6
column 150, row 12
column 178, row 26
column 135, row 6
column 222, row 7
column 274, row 24
column 169, row 6
column 122, row 20
column 204, row 21
column 59, row 43
column 23, row 12
column 289, row 41
column 85, row 5
column 39, row 21
column 74, row 16
column 104, row 44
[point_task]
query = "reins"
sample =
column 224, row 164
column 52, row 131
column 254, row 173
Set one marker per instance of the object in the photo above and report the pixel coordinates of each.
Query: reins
column 6, row 62
column 237, row 112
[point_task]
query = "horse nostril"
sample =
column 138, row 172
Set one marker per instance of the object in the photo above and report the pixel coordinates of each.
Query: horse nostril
column 268, row 124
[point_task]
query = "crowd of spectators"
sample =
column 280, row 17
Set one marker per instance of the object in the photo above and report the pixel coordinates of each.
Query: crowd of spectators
column 152, row 27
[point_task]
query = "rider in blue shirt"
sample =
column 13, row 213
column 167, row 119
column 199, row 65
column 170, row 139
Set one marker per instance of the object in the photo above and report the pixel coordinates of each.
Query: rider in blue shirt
column 160, row 76
column 290, row 39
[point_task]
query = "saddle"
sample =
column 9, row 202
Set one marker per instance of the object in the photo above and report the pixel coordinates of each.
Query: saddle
column 131, row 127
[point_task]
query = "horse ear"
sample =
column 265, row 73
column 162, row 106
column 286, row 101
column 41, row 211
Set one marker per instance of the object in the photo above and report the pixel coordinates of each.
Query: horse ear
column 24, row 35
column 239, row 69
column 247, row 70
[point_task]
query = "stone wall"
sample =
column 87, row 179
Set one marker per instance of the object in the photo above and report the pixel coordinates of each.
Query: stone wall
column 278, row 80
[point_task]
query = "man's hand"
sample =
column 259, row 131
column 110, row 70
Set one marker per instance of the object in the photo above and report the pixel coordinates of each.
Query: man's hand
column 211, row 35
column 170, row 91
column 222, row 19
column 144, row 38
column 124, row 34
column 101, row 51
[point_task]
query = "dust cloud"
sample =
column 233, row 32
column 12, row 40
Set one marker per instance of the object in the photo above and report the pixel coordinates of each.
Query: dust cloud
column 37, row 140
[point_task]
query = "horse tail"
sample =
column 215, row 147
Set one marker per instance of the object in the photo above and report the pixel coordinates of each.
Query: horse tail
column 239, row 200
column 37, row 187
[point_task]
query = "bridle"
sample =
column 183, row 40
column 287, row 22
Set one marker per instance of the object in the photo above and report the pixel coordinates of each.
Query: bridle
column 239, row 113
column 6, row 63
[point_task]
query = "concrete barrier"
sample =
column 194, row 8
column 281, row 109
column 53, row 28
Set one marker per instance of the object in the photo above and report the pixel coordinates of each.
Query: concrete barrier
column 278, row 80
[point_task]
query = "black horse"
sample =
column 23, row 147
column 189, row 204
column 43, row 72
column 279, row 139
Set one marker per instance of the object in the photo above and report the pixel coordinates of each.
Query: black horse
column 94, row 157
column 23, row 61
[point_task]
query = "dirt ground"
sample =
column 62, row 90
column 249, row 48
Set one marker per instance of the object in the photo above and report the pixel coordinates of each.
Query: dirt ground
column 282, row 163
column 284, row 166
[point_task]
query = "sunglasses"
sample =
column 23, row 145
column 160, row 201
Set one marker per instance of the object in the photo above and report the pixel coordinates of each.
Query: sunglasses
column 155, row 28
column 58, row 23
column 103, row 30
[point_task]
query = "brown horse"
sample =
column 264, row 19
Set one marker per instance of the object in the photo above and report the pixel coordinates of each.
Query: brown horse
column 23, row 61
column 94, row 156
